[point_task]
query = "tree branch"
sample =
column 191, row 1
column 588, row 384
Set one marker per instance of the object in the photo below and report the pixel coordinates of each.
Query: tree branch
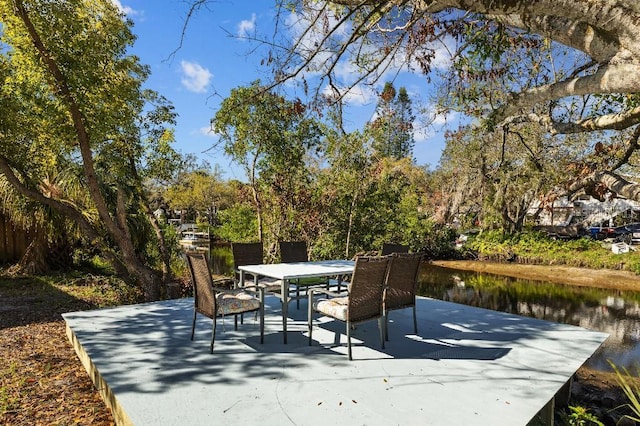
column 618, row 121
column 619, row 78
column 65, row 208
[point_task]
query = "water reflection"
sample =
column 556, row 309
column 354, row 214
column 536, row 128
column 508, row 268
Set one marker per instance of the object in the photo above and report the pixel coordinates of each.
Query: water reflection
column 611, row 311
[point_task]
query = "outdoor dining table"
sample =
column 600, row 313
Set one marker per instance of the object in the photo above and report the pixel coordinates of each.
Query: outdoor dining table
column 287, row 272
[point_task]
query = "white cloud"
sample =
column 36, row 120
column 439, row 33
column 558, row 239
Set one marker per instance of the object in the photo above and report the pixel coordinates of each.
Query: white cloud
column 308, row 38
column 126, row 10
column 444, row 49
column 247, row 26
column 357, row 95
column 429, row 124
column 195, row 77
column 207, row 131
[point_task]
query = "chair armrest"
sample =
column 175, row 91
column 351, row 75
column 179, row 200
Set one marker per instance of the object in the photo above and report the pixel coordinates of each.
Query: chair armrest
column 252, row 289
column 223, row 283
column 324, row 291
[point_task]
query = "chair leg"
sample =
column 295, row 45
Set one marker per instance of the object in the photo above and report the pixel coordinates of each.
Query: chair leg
column 298, row 295
column 235, row 322
column 386, row 326
column 349, row 341
column 261, row 316
column 193, row 324
column 213, row 335
column 415, row 322
column 381, row 329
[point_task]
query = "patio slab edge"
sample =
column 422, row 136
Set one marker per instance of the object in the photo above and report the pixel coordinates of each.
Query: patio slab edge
column 101, row 385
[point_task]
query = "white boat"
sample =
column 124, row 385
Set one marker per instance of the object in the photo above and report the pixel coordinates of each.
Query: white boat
column 192, row 240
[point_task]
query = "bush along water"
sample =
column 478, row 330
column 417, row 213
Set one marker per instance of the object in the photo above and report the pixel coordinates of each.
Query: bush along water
column 536, row 248
column 437, row 243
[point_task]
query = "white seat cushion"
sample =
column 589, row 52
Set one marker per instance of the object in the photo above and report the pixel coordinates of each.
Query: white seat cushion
column 236, row 303
column 336, row 307
column 270, row 284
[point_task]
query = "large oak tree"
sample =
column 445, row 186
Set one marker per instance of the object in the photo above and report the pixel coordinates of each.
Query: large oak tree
column 73, row 108
column 587, row 83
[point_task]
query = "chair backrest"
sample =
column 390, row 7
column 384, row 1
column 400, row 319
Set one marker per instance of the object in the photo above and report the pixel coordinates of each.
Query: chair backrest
column 203, row 293
column 388, row 248
column 246, row 254
column 293, row 251
column 402, row 280
column 366, row 288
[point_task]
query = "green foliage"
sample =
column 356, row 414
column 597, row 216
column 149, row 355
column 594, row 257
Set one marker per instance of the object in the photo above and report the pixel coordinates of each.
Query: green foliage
column 392, row 130
column 435, row 240
column 199, row 194
column 86, row 258
column 580, row 416
column 78, row 133
column 536, row 247
column 93, row 287
column 269, row 137
column 631, row 389
column 498, row 176
column 100, row 290
column 365, row 200
column 10, row 373
column 238, row 223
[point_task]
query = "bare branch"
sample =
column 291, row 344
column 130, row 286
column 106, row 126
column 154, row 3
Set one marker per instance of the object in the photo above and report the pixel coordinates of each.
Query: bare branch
column 619, row 78
column 618, row 121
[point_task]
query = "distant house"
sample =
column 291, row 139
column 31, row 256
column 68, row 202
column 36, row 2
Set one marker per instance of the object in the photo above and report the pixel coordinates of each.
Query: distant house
column 588, row 211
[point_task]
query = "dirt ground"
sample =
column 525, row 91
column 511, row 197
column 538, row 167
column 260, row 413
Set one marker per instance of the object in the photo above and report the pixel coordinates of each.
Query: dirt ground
column 43, row 383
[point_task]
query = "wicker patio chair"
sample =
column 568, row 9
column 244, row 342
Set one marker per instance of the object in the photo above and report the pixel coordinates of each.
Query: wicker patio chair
column 214, row 302
column 252, row 254
column 293, row 252
column 364, row 300
column 400, row 286
column 343, row 280
column 388, row 248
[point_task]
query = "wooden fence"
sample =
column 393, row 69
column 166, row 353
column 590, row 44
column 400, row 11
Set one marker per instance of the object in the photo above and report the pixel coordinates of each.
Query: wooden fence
column 13, row 241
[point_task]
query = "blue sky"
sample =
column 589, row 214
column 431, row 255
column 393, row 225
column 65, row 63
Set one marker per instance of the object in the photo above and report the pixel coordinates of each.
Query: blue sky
column 210, row 63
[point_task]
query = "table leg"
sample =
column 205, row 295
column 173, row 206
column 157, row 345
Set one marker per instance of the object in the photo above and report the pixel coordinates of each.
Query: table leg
column 241, row 281
column 284, row 291
column 239, row 284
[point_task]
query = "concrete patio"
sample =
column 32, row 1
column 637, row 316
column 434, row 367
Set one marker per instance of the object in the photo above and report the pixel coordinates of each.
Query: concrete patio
column 465, row 366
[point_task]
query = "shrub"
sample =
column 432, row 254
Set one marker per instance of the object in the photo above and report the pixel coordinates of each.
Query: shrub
column 536, row 247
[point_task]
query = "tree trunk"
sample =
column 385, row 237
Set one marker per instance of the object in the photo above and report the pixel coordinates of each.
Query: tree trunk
column 33, row 261
column 116, row 225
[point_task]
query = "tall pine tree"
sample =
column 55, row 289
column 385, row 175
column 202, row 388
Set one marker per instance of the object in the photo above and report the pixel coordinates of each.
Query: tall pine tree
column 392, row 129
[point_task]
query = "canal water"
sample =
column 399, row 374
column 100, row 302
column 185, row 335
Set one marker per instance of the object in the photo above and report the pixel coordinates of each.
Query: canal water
column 610, row 311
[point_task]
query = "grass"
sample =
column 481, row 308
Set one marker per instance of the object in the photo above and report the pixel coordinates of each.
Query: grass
column 536, row 248
column 631, row 388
